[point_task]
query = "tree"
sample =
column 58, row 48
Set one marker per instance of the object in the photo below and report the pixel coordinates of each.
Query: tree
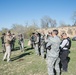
column 32, row 28
column 62, row 24
column 17, row 28
column 4, row 30
column 53, row 23
column 74, row 18
column 47, row 22
column 26, row 30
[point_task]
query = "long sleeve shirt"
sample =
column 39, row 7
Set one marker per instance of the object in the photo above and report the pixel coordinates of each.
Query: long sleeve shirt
column 55, row 43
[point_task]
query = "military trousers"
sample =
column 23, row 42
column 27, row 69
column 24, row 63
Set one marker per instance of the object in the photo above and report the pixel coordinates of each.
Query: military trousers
column 22, row 46
column 7, row 53
column 12, row 45
column 32, row 44
column 37, row 49
column 42, row 51
column 53, row 63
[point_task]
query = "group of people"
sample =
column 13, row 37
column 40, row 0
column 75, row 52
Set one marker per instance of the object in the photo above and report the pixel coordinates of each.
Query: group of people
column 38, row 43
column 56, row 49
column 52, row 47
column 3, row 39
column 8, row 44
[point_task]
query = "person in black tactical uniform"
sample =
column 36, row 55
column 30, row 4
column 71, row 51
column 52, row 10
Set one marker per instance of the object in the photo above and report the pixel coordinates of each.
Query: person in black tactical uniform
column 64, row 51
column 3, row 42
column 32, row 39
column 37, row 43
column 13, row 41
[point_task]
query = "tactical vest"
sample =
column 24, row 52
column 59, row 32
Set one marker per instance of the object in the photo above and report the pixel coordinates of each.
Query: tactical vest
column 68, row 45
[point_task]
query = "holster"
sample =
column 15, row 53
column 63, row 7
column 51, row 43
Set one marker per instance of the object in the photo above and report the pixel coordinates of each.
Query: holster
column 49, row 47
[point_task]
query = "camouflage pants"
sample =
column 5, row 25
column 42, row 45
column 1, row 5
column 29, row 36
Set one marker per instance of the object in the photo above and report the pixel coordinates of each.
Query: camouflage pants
column 53, row 63
column 42, row 51
column 22, row 46
column 36, row 49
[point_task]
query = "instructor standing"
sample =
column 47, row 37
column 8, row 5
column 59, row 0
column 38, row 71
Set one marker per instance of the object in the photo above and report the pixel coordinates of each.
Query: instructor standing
column 53, row 53
column 8, row 39
column 64, row 51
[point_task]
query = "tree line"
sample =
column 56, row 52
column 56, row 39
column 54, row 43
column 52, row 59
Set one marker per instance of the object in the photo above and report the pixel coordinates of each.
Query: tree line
column 45, row 22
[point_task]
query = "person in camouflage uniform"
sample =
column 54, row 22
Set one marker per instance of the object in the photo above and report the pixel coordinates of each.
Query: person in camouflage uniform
column 42, row 46
column 36, row 43
column 53, row 53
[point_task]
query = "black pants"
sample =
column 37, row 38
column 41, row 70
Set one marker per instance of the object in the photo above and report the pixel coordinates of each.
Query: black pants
column 64, row 59
column 12, row 45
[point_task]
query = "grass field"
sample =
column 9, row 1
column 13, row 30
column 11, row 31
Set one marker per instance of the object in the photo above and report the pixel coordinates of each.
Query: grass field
column 27, row 63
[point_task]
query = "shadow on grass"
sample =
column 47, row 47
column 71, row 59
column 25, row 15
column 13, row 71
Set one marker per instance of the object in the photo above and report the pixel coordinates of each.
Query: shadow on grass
column 20, row 56
column 25, row 47
column 28, row 49
column 17, row 48
column 1, row 52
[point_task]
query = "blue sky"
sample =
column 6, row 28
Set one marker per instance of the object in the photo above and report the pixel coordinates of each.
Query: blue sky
column 22, row 11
